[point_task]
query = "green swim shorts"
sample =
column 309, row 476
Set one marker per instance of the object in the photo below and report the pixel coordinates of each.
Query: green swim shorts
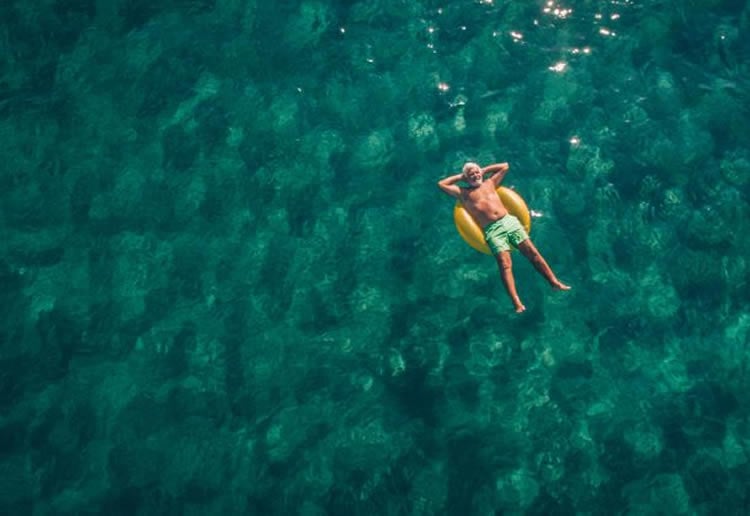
column 503, row 233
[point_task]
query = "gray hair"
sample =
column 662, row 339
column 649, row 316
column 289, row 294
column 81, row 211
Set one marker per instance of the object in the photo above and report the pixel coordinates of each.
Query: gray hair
column 470, row 166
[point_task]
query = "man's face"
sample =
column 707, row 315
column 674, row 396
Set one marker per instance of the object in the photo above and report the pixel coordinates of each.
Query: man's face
column 473, row 175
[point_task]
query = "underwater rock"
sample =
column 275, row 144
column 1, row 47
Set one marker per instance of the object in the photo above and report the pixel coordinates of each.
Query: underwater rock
column 323, row 146
column 422, row 131
column 572, row 202
column 696, row 272
column 705, row 229
column 142, row 267
column 586, row 163
column 190, row 199
column 666, row 92
column 375, row 150
column 735, row 169
column 18, row 485
column 305, row 27
column 497, row 121
column 645, row 439
column 551, row 116
column 180, row 148
column 136, row 464
column 663, row 303
column 661, row 494
column 706, row 478
column 284, row 111
column 517, row 489
column 674, row 205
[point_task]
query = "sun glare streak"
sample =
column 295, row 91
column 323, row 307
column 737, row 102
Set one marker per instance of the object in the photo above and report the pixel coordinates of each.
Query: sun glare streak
column 556, row 11
column 559, row 67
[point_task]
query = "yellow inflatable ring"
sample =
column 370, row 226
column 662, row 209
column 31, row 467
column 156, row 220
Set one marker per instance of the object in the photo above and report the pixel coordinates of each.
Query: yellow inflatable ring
column 471, row 232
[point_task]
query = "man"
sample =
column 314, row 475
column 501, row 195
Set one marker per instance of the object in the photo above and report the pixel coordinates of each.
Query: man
column 501, row 229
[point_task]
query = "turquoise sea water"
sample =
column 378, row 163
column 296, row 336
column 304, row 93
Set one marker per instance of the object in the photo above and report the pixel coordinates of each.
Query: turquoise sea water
column 230, row 284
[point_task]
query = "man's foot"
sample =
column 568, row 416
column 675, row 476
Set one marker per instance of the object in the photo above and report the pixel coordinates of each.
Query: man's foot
column 560, row 286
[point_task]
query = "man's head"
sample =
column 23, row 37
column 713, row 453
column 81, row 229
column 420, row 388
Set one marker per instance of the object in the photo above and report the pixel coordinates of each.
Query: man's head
column 473, row 174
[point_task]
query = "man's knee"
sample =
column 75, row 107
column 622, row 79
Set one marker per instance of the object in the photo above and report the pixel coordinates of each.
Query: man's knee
column 505, row 261
column 529, row 250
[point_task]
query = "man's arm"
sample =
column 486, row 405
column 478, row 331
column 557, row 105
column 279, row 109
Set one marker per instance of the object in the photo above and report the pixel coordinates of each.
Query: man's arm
column 498, row 171
column 449, row 186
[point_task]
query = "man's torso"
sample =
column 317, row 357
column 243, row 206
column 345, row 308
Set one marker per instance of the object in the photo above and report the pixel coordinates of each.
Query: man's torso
column 483, row 203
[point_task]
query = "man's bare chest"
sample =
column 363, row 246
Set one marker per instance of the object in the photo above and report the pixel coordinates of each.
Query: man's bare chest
column 480, row 195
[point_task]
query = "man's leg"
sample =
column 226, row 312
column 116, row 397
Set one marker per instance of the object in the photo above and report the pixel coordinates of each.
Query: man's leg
column 528, row 249
column 505, row 263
